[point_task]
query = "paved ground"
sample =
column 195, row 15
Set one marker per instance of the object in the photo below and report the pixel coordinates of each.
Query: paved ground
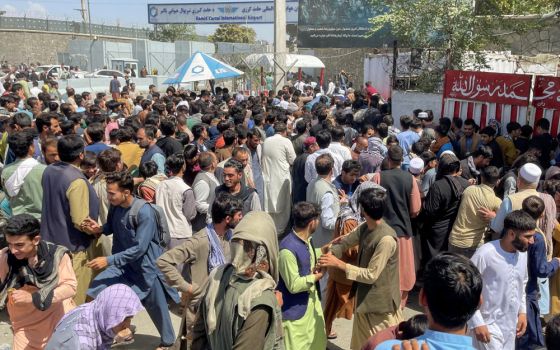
column 147, row 336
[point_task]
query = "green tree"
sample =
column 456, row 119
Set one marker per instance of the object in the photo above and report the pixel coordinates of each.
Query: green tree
column 233, row 33
column 456, row 27
column 516, row 7
column 173, row 32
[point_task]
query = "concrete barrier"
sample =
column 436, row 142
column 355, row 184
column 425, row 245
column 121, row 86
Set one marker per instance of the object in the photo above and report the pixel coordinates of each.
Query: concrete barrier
column 96, row 85
column 404, row 102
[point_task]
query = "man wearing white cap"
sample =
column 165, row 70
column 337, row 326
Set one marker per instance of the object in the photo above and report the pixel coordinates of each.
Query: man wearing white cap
column 416, row 168
column 427, row 126
column 527, row 182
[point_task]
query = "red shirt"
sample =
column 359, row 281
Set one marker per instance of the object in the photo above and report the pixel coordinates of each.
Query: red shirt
column 371, row 91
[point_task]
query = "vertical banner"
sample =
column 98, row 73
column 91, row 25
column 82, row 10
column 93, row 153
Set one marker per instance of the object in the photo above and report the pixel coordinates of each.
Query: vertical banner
column 546, row 101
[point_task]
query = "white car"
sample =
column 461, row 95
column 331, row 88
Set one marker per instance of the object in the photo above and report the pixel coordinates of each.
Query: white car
column 104, row 73
column 53, row 71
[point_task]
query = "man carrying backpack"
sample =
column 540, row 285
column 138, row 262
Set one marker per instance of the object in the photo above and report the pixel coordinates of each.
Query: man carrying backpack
column 139, row 235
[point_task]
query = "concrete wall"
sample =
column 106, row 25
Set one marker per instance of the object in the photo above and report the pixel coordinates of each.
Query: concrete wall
column 545, row 39
column 23, row 47
column 185, row 49
column 102, row 53
column 404, row 102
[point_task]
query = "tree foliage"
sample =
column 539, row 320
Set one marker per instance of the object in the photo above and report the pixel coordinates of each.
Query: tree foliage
column 233, row 33
column 455, row 26
column 173, row 32
column 516, row 7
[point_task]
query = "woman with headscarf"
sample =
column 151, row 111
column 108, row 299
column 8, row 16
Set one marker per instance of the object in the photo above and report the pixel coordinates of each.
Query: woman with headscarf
column 239, row 308
column 94, row 325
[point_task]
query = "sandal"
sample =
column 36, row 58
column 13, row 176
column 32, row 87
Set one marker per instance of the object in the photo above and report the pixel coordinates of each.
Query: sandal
column 333, row 335
column 120, row 341
column 164, row 347
column 124, row 339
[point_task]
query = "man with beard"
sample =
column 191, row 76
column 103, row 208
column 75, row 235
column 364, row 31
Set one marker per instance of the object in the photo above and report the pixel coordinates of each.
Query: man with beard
column 503, row 265
column 200, row 254
column 233, row 172
column 48, row 125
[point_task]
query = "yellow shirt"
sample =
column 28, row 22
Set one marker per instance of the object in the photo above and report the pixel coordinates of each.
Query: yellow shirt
column 508, row 149
column 468, row 229
column 131, row 154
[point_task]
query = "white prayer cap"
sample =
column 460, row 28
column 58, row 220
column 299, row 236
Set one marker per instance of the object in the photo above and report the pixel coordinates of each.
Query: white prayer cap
column 183, row 103
column 422, row 115
column 531, row 173
column 447, row 152
column 416, row 166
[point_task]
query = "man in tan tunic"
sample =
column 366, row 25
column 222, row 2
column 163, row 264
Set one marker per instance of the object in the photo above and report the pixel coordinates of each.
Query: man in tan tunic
column 376, row 278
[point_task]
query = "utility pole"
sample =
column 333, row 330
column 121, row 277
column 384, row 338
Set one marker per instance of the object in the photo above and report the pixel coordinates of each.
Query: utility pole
column 84, row 11
column 90, row 36
column 279, row 43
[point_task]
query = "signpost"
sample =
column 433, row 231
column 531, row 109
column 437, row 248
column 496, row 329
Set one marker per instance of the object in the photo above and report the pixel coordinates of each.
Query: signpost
column 279, row 43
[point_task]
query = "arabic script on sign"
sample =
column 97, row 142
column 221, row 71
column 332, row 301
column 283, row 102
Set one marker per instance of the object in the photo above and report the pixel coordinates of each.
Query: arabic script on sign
column 488, row 87
column 547, row 92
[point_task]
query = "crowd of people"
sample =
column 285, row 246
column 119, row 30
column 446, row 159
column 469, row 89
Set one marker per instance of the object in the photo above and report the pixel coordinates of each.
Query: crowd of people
column 262, row 219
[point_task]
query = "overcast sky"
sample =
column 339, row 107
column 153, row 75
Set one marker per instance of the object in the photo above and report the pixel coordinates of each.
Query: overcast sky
column 123, row 12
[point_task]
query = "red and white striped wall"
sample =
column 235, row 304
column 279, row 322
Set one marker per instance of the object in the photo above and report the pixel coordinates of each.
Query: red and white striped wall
column 482, row 112
column 553, row 115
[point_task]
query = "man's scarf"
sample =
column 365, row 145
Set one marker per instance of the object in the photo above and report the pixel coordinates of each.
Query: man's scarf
column 216, row 256
column 44, row 275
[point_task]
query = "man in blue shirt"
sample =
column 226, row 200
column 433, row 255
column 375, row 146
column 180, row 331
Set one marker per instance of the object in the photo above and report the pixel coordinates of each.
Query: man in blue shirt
column 136, row 248
column 450, row 296
column 96, row 133
column 408, row 137
column 539, row 270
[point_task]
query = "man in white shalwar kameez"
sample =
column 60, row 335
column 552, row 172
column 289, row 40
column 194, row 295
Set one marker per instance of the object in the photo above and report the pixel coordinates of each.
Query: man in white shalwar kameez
column 277, row 156
column 503, row 265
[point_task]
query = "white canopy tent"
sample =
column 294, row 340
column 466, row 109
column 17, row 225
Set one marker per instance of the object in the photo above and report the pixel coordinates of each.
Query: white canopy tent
column 266, row 60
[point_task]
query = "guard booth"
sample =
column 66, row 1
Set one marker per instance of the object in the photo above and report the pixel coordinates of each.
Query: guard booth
column 121, row 64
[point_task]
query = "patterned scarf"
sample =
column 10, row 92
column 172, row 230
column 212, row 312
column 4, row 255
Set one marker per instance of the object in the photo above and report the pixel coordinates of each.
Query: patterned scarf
column 44, row 275
column 96, row 319
column 216, row 256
